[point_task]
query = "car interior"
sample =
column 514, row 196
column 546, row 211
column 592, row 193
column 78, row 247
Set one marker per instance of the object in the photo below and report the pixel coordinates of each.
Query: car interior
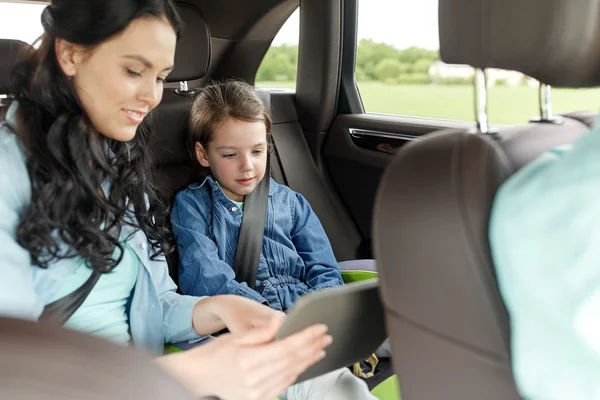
column 421, row 213
column 445, row 314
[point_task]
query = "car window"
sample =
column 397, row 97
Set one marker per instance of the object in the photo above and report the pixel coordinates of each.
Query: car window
column 398, row 71
column 21, row 21
column 280, row 63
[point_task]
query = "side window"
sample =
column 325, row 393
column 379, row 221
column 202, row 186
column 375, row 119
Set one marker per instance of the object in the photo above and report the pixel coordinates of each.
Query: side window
column 280, row 63
column 398, row 71
column 21, row 21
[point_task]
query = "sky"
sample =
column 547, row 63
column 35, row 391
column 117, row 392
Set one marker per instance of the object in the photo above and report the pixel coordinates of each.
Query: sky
column 401, row 23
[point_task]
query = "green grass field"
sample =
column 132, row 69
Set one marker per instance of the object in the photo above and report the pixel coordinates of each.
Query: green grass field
column 506, row 105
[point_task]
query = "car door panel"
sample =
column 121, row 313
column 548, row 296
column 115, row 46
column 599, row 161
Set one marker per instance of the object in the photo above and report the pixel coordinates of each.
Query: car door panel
column 359, row 147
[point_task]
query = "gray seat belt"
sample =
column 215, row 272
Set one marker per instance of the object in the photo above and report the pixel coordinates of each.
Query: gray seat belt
column 250, row 239
column 247, row 254
column 61, row 310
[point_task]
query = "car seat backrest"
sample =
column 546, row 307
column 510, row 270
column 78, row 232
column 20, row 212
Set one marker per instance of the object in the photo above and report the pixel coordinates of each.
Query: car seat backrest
column 46, row 361
column 11, row 52
column 173, row 169
column 170, row 119
column 299, row 172
column 449, row 328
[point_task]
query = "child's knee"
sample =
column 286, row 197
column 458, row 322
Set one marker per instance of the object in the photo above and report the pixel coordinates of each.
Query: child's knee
column 340, row 384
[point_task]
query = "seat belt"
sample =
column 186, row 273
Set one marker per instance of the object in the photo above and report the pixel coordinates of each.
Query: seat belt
column 61, row 310
column 247, row 254
column 252, row 230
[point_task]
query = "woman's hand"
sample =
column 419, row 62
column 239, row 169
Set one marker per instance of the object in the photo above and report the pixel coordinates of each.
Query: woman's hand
column 236, row 313
column 248, row 365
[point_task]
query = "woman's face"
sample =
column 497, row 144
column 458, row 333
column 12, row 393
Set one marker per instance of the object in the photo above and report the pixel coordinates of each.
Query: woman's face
column 121, row 80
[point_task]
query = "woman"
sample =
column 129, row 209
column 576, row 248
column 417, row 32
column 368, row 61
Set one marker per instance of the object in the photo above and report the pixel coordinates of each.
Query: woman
column 73, row 166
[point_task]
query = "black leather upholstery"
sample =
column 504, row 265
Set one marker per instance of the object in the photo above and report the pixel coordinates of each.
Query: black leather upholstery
column 11, row 51
column 192, row 56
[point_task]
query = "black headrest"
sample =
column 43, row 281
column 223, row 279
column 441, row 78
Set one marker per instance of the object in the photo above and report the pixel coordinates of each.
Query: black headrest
column 192, row 56
column 554, row 41
column 11, row 52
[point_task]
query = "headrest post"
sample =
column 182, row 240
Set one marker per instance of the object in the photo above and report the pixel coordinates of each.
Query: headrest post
column 184, row 89
column 480, row 80
column 545, row 102
column 545, row 99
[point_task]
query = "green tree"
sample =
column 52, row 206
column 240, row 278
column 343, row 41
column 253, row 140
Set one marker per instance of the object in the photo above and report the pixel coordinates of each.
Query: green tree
column 280, row 63
column 374, row 61
column 422, row 65
column 360, row 75
column 388, row 69
column 369, row 54
column 413, row 54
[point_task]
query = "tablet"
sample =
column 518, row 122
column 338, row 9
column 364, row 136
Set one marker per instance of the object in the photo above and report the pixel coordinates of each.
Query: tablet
column 354, row 316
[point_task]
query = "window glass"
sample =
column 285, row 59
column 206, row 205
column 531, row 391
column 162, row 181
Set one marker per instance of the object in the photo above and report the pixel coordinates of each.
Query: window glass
column 21, row 21
column 398, row 71
column 280, row 63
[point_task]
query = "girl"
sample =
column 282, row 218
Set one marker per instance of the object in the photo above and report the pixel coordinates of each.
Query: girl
column 229, row 134
column 73, row 166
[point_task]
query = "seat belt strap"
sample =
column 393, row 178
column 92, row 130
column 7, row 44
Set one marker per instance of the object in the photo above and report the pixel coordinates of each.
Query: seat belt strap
column 59, row 311
column 252, row 230
column 247, row 254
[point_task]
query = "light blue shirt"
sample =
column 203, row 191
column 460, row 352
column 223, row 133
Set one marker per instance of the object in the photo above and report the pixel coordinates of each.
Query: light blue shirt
column 239, row 204
column 545, row 240
column 157, row 314
column 104, row 311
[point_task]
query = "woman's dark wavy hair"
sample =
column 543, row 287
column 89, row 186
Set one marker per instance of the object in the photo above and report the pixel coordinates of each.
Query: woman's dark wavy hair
column 68, row 160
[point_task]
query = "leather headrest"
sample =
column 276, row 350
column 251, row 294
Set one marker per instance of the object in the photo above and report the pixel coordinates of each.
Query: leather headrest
column 11, row 52
column 554, row 41
column 192, row 56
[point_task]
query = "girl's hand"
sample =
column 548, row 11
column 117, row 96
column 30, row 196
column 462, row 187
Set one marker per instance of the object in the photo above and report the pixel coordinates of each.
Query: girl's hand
column 248, row 365
column 236, row 313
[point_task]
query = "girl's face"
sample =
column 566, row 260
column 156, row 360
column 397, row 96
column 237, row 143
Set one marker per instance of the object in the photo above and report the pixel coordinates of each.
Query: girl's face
column 236, row 156
column 119, row 81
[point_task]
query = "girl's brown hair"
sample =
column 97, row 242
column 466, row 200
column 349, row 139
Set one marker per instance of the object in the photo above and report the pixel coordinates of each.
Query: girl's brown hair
column 218, row 101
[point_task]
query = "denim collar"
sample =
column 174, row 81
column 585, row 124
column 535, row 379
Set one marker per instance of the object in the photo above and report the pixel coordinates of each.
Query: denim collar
column 209, row 180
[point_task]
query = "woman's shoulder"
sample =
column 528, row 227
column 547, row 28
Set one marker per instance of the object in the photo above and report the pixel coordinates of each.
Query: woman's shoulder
column 14, row 178
column 11, row 147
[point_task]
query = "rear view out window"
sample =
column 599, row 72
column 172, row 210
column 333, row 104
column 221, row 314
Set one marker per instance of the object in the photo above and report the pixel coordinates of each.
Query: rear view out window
column 280, row 64
column 21, row 21
column 399, row 71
